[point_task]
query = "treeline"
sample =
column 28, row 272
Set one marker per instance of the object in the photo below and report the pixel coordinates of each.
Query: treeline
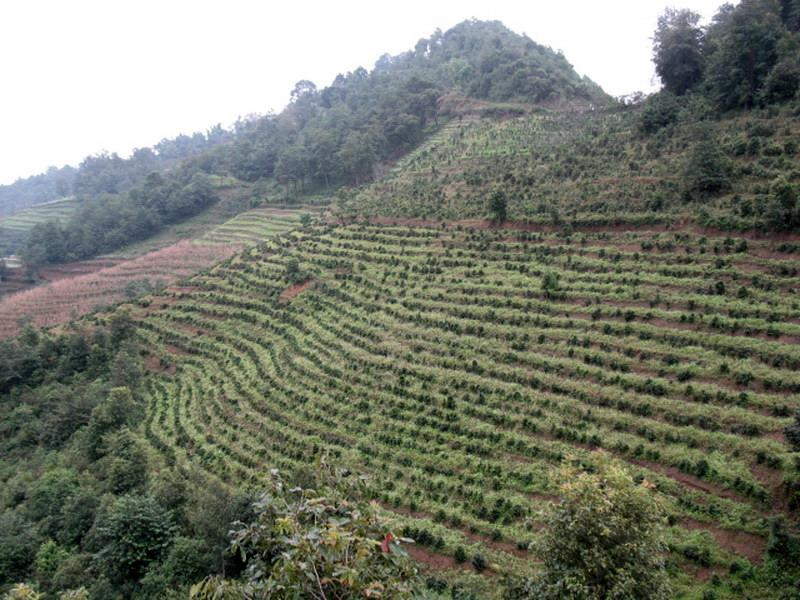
column 106, row 173
column 746, row 59
column 52, row 184
column 106, row 222
column 323, row 138
column 748, row 56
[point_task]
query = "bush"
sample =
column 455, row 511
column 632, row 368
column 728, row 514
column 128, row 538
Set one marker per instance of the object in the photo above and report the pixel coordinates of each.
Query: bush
column 309, row 544
column 479, row 562
column 603, row 540
column 707, row 171
column 130, row 533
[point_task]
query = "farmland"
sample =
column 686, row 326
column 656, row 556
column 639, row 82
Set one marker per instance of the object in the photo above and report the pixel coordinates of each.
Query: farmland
column 14, row 228
column 78, row 288
column 459, row 367
column 584, row 167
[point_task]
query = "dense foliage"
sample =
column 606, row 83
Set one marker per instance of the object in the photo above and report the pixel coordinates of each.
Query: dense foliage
column 318, row 544
column 603, row 540
column 105, row 173
column 748, row 56
column 105, row 223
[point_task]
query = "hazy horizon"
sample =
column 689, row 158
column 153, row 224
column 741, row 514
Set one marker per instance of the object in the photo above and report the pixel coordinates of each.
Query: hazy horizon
column 89, row 77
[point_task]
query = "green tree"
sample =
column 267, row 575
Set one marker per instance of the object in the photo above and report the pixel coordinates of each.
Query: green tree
column 357, row 156
column 550, row 284
column 706, row 172
column 603, row 539
column 678, row 50
column 792, row 432
column 498, row 205
column 317, row 545
column 130, row 533
column 743, row 47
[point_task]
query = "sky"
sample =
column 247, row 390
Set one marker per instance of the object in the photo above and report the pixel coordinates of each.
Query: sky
column 84, row 76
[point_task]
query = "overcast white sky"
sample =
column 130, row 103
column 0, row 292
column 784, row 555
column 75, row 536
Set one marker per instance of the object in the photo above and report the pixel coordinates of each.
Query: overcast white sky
column 81, row 76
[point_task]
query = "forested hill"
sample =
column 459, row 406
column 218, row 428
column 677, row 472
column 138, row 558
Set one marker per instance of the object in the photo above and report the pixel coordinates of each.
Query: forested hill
column 104, row 172
column 323, row 138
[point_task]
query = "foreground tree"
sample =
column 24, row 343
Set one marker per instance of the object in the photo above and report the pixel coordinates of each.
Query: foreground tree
column 678, row 50
column 318, row 545
column 603, row 539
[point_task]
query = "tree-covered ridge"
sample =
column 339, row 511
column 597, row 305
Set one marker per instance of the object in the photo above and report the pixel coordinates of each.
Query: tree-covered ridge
column 105, row 173
column 748, row 56
column 53, row 184
column 329, row 137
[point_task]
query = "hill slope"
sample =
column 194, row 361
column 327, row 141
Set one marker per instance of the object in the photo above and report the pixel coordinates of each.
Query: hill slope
column 438, row 362
column 583, row 167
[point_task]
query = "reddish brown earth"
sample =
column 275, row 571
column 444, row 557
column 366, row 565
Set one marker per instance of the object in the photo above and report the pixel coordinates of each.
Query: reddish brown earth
column 295, row 290
column 690, row 480
column 739, row 542
column 434, row 561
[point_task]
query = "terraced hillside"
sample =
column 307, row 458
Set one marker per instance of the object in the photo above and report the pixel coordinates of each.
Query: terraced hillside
column 459, row 367
column 15, row 228
column 588, row 167
column 79, row 288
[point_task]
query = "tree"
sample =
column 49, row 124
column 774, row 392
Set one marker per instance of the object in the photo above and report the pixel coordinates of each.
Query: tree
column 743, row 45
column 357, row 156
column 678, row 50
column 498, row 206
column 318, row 545
column 550, row 284
column 130, row 533
column 603, row 540
column 706, row 172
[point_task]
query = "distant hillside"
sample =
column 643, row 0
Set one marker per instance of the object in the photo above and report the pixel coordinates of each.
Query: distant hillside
column 36, row 189
column 104, row 173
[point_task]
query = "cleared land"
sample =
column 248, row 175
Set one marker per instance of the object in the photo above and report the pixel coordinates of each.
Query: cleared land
column 437, row 360
column 75, row 289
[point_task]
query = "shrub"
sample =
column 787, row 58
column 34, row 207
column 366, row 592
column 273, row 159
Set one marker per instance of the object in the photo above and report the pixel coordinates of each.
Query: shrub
column 603, row 540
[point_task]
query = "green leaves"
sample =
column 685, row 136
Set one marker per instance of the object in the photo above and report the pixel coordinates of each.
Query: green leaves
column 316, row 544
column 603, row 539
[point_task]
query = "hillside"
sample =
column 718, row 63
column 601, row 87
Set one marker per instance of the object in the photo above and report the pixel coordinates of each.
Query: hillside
column 675, row 352
column 76, row 289
column 14, row 229
column 579, row 167
column 467, row 283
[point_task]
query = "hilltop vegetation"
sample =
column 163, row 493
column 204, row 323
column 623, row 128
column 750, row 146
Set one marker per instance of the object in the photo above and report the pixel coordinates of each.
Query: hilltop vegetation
column 324, row 138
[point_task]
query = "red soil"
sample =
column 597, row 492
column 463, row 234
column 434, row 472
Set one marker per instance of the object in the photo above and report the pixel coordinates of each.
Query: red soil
column 739, row 542
column 295, row 290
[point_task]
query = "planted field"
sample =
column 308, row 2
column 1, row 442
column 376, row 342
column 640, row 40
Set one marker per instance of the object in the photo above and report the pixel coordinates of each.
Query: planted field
column 585, row 168
column 460, row 367
column 14, row 229
column 75, row 289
